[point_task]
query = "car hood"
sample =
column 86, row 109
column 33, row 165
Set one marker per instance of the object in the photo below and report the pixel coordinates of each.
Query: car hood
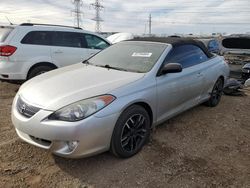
column 64, row 86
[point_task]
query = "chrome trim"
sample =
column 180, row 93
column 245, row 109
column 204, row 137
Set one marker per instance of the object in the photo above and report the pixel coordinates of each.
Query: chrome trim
column 25, row 109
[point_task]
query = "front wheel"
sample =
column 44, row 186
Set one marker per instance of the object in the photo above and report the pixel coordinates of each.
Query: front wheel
column 131, row 132
column 216, row 94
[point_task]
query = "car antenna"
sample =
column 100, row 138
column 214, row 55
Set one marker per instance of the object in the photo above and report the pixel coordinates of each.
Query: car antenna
column 9, row 20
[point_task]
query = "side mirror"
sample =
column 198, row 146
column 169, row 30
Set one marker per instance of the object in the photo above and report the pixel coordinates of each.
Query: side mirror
column 171, row 68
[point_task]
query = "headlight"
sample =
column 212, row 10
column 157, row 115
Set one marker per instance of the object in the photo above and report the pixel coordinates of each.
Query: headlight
column 82, row 109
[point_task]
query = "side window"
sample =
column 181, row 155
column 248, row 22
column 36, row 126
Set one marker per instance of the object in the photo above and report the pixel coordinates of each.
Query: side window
column 187, row 55
column 95, row 42
column 213, row 46
column 37, row 38
column 68, row 39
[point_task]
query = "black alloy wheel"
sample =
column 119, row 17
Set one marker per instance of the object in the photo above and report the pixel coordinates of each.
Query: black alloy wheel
column 131, row 132
column 216, row 94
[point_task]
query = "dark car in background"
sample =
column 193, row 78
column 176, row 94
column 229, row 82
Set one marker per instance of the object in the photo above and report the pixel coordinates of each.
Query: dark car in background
column 236, row 45
column 213, row 45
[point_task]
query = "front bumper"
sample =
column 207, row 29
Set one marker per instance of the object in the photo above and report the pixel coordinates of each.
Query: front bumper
column 93, row 134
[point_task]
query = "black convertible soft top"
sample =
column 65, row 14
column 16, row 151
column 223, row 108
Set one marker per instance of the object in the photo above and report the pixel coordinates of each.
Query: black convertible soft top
column 175, row 41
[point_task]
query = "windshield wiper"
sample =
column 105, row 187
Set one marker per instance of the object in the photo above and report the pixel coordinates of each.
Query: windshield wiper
column 110, row 67
column 86, row 62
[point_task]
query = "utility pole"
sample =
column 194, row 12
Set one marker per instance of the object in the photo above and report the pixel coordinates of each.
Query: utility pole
column 150, row 24
column 78, row 12
column 98, row 7
column 145, row 29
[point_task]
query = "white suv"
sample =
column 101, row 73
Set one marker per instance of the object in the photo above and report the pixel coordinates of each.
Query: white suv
column 29, row 49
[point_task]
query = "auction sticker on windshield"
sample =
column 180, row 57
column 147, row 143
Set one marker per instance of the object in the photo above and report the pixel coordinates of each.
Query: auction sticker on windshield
column 145, row 54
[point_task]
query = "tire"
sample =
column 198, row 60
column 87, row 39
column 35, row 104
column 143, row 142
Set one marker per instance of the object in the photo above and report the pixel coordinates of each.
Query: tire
column 39, row 70
column 131, row 132
column 216, row 94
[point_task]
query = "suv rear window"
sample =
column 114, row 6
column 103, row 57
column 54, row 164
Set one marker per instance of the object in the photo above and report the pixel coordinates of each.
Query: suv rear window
column 69, row 39
column 236, row 43
column 37, row 38
column 4, row 33
column 64, row 39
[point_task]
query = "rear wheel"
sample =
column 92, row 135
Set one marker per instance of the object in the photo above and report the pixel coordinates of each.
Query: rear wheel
column 39, row 70
column 131, row 132
column 216, row 94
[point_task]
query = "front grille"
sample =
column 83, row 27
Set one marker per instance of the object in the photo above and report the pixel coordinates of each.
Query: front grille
column 41, row 141
column 26, row 109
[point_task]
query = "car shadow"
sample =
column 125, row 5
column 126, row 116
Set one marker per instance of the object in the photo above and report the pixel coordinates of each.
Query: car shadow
column 105, row 168
column 87, row 167
column 91, row 166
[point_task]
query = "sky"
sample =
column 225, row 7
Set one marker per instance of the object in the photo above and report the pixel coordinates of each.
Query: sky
column 168, row 16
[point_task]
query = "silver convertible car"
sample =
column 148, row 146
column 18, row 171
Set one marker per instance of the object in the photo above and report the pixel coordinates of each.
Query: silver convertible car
column 112, row 100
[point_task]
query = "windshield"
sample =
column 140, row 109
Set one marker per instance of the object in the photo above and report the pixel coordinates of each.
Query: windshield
column 4, row 33
column 129, row 56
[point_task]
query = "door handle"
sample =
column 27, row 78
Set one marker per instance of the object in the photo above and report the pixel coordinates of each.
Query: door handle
column 58, row 52
column 199, row 74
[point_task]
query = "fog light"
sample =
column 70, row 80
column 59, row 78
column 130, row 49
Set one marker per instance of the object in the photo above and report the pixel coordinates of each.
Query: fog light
column 72, row 145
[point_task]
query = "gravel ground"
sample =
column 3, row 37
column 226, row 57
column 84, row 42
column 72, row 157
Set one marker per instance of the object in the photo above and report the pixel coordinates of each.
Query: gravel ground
column 203, row 147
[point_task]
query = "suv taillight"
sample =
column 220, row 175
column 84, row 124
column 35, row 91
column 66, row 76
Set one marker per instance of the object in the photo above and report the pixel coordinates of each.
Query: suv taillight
column 7, row 50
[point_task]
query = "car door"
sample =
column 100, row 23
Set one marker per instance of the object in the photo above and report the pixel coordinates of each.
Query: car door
column 35, row 48
column 68, row 48
column 95, row 44
column 177, row 92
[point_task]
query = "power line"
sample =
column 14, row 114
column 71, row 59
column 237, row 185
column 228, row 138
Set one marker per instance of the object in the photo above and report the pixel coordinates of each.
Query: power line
column 191, row 2
column 202, row 23
column 78, row 12
column 98, row 7
column 172, row 10
column 130, row 21
column 208, row 12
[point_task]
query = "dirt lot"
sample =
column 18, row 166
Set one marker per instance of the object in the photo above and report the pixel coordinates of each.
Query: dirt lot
column 203, row 147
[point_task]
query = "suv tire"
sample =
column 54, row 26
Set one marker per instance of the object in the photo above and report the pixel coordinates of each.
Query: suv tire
column 39, row 70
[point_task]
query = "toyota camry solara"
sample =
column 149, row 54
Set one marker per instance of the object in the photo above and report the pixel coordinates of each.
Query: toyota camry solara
column 112, row 101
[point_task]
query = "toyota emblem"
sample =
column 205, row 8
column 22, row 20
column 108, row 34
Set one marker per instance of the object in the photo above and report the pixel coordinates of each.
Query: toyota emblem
column 23, row 108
